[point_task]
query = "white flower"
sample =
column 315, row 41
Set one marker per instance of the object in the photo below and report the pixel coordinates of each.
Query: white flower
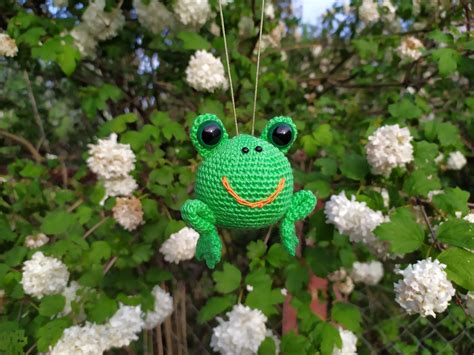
column 368, row 273
column 81, row 340
column 192, row 12
column 342, row 281
column 249, row 288
column 242, row 334
column 368, row 11
column 389, row 147
column 84, row 41
column 349, row 343
column 70, row 294
column 205, row 72
column 410, row 49
column 388, row 10
column 8, row 46
column 434, row 193
column 110, row 159
column 163, row 308
column 353, row 218
column 469, row 306
column 180, row 246
column 424, row 289
column 121, row 186
column 269, row 10
column 123, row 327
column 155, row 16
column 44, row 275
column 456, row 161
column 36, row 241
column 469, row 217
column 128, row 212
column 284, row 292
column 100, row 23
column 316, row 50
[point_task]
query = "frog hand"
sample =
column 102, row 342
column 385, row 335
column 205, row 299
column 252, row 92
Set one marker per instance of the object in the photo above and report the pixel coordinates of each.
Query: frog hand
column 302, row 204
column 200, row 217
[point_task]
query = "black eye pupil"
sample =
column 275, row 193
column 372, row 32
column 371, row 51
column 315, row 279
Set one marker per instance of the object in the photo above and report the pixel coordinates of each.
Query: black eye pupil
column 245, row 150
column 211, row 134
column 282, row 135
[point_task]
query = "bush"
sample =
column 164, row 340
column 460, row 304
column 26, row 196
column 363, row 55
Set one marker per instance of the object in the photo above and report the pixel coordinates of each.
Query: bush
column 97, row 104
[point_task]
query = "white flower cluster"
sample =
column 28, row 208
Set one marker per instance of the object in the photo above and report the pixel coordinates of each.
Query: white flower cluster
column 456, row 161
column 349, row 343
column 180, row 246
column 192, row 12
column 368, row 11
column 154, row 16
column 242, row 334
column 128, row 212
column 112, row 162
column 163, row 308
column 206, row 72
column 342, row 281
column 469, row 305
column 119, row 331
column 269, row 11
column 389, row 147
column 410, row 49
column 36, row 241
column 355, row 219
column 44, row 275
column 388, row 11
column 369, row 273
column 424, row 289
column 469, row 217
column 8, row 46
column 97, row 25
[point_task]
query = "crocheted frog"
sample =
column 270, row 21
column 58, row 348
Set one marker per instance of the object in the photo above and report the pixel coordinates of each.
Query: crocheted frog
column 244, row 182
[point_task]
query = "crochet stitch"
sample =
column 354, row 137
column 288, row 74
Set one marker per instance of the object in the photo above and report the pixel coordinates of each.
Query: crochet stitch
column 244, row 182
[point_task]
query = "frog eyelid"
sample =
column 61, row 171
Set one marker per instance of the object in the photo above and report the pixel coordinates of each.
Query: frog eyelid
column 197, row 128
column 272, row 125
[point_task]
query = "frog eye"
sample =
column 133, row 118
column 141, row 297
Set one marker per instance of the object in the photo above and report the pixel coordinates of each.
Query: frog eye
column 280, row 132
column 210, row 134
column 207, row 132
column 281, row 135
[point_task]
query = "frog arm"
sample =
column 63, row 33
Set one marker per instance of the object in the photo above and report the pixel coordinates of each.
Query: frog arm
column 200, row 217
column 302, row 204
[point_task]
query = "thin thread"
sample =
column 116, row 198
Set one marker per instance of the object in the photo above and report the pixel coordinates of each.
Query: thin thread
column 258, row 67
column 228, row 67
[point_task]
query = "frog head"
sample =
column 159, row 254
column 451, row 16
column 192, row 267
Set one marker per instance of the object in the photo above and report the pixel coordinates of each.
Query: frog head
column 246, row 181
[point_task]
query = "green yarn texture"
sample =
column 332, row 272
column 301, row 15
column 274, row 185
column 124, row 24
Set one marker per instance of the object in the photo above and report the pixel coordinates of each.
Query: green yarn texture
column 253, row 176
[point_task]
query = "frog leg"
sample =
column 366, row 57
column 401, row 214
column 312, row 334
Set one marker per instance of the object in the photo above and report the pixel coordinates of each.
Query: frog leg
column 200, row 217
column 302, row 204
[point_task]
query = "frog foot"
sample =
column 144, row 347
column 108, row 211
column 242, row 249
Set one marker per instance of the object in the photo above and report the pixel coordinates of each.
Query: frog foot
column 200, row 217
column 302, row 204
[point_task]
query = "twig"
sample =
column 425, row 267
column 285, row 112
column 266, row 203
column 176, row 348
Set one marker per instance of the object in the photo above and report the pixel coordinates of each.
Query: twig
column 30, row 349
column 34, row 152
column 109, row 264
column 267, row 236
column 97, row 225
column 35, row 111
column 427, row 221
column 159, row 340
column 75, row 205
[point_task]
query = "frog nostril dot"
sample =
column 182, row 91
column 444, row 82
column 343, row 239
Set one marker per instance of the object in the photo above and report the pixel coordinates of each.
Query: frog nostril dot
column 245, row 150
column 258, row 148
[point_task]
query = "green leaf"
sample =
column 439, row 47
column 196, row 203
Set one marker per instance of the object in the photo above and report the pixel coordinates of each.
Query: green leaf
column 67, row 59
column 259, row 278
column 118, row 124
column 227, row 280
column 296, row 277
column 267, row 347
column 448, row 134
column 6, row 233
column 101, row 309
column 100, row 250
column 323, row 135
column 459, row 265
column 354, row 167
column 51, row 305
column 419, row 183
column 293, row 344
column 457, row 232
column 403, row 233
column 447, row 59
column 328, row 166
column 256, row 249
column 309, row 145
column 328, row 337
column 50, row 333
column 193, row 41
column 215, row 306
column 57, row 222
column 452, row 200
column 425, row 154
column 347, row 315
column 15, row 255
column 92, row 277
column 320, row 188
column 277, row 256
column 265, row 299
column 404, row 109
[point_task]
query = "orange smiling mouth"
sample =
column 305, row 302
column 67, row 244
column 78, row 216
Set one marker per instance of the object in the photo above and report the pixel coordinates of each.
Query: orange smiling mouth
column 255, row 204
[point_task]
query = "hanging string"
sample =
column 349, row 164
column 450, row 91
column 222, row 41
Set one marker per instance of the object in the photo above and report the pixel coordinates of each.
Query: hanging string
column 258, row 67
column 228, row 67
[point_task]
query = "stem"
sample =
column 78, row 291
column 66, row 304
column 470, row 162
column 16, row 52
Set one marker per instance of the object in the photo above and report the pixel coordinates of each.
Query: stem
column 36, row 115
column 25, row 143
column 267, row 237
column 97, row 225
